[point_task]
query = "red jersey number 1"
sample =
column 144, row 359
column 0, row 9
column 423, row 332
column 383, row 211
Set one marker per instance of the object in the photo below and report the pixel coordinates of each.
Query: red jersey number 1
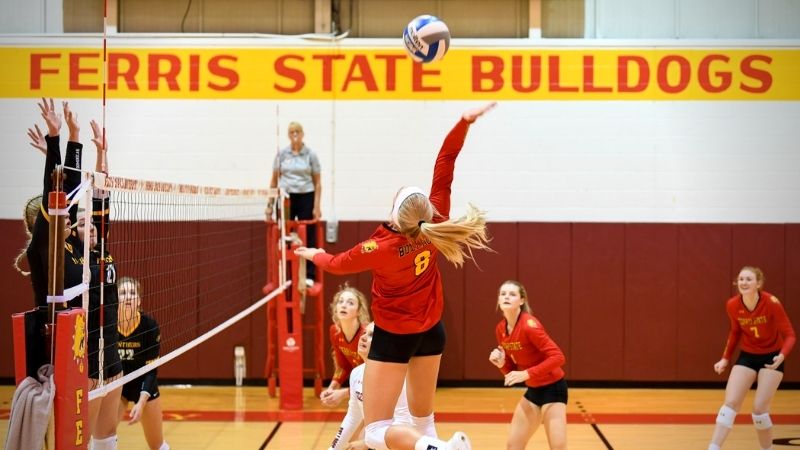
column 421, row 262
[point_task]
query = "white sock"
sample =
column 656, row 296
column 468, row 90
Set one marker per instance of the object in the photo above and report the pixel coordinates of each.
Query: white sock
column 429, row 443
column 425, row 425
column 164, row 446
column 109, row 443
column 713, row 446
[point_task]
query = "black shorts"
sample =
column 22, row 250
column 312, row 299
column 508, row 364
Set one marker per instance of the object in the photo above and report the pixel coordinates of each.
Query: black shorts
column 549, row 393
column 400, row 348
column 132, row 389
column 755, row 361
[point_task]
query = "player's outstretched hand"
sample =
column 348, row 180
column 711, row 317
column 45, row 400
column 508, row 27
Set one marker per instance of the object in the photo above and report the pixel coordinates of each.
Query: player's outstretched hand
column 308, row 253
column 72, row 123
column 37, row 139
column 99, row 141
column 471, row 115
column 50, row 116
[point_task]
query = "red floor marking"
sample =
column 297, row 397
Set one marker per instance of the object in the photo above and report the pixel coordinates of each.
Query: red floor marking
column 444, row 417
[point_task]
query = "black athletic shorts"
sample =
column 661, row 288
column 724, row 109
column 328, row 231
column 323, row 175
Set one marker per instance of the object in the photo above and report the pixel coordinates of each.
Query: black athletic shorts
column 549, row 393
column 399, row 348
column 755, row 361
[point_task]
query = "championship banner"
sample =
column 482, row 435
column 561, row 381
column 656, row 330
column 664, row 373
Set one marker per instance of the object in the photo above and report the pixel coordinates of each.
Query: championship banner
column 474, row 73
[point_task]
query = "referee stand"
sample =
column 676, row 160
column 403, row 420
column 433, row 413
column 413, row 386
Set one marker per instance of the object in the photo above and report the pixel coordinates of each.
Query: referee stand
column 285, row 315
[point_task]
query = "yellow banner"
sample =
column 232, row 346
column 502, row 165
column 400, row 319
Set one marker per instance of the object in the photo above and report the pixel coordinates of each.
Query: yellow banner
column 388, row 74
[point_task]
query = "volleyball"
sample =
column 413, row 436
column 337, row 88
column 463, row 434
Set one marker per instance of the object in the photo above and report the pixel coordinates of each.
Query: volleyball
column 426, row 39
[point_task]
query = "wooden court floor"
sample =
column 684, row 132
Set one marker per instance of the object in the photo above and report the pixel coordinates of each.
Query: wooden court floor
column 214, row 417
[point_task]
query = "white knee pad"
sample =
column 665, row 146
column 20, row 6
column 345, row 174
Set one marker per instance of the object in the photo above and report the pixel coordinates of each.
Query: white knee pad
column 425, row 425
column 726, row 416
column 762, row 421
column 109, row 443
column 375, row 434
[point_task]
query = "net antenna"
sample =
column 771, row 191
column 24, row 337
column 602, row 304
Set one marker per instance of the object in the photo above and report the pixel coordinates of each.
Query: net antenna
column 198, row 253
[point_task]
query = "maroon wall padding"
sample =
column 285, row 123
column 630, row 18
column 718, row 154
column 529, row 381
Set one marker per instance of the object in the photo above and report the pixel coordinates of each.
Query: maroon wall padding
column 651, row 293
column 256, row 351
column 704, row 283
column 17, row 291
column 456, row 307
column 545, row 269
column 791, row 300
column 628, row 302
column 177, row 266
column 598, row 301
column 214, row 303
column 481, row 282
column 761, row 246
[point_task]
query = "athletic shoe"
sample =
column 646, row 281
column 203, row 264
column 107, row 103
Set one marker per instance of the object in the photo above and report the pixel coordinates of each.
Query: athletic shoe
column 459, row 441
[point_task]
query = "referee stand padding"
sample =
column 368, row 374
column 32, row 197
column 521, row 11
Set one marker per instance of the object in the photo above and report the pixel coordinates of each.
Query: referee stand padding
column 32, row 336
column 285, row 315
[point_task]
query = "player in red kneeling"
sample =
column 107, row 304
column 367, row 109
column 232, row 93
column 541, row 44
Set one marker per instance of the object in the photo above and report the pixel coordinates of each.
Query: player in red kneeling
column 526, row 353
column 759, row 321
column 350, row 314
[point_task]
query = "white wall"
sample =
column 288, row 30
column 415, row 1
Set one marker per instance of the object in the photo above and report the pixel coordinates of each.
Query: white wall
column 31, row 16
column 570, row 161
column 615, row 161
column 693, row 19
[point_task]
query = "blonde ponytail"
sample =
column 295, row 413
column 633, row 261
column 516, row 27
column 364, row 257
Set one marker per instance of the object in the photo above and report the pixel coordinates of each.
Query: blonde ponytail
column 456, row 239
column 32, row 207
column 17, row 260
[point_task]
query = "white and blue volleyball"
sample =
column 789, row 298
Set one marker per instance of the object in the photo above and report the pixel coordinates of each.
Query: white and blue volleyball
column 426, row 39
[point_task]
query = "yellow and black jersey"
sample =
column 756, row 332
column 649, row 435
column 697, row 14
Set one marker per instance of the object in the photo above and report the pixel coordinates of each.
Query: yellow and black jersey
column 139, row 348
column 40, row 240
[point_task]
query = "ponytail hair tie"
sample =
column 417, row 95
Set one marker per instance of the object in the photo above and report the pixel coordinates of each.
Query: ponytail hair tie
column 419, row 224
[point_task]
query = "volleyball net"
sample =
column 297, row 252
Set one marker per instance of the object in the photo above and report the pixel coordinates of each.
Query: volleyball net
column 200, row 259
column 195, row 256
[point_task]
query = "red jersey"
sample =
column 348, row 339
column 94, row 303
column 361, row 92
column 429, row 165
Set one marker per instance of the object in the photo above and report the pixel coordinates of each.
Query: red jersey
column 764, row 330
column 345, row 353
column 530, row 348
column 406, row 284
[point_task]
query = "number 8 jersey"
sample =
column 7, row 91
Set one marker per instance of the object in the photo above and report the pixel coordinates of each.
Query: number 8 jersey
column 406, row 286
